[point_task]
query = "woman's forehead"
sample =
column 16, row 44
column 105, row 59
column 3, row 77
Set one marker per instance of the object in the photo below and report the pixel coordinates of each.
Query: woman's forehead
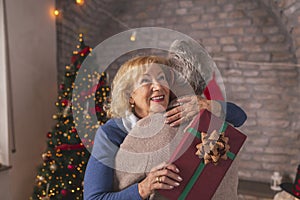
column 152, row 68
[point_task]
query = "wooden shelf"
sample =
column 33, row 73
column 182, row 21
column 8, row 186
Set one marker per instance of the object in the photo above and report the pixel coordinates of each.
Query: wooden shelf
column 4, row 168
column 257, row 189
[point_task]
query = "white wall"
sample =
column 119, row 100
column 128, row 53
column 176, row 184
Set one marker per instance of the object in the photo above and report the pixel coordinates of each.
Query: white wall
column 32, row 51
column 4, row 154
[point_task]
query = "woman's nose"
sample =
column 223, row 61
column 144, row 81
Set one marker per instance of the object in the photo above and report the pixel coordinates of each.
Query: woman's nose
column 156, row 85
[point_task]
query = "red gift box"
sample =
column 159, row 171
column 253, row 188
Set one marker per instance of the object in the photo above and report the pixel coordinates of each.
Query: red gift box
column 200, row 181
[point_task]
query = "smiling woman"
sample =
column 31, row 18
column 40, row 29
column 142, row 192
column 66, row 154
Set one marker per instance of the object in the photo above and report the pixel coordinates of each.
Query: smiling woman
column 151, row 92
column 140, row 86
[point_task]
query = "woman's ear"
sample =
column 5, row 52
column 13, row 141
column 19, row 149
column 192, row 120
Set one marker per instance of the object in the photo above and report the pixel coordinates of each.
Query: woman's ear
column 131, row 101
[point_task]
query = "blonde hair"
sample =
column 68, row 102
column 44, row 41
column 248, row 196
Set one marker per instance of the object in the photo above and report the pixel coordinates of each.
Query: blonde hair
column 124, row 81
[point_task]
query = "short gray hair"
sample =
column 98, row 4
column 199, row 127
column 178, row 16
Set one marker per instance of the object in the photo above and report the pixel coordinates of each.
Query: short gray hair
column 192, row 62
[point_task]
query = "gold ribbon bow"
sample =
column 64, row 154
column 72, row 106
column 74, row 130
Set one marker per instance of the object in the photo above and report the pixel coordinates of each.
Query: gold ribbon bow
column 213, row 147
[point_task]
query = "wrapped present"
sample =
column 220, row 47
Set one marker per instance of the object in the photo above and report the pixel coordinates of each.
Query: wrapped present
column 203, row 156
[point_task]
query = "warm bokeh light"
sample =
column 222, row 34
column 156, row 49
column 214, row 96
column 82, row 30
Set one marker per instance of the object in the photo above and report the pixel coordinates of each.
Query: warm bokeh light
column 132, row 37
column 56, row 12
column 80, row 2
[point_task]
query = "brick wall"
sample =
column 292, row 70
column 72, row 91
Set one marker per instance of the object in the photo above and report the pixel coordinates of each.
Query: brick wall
column 237, row 30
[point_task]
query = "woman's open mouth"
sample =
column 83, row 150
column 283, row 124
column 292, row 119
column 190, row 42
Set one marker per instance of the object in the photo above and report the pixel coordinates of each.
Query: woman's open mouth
column 158, row 98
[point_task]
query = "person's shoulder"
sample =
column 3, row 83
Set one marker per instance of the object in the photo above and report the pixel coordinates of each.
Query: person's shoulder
column 114, row 130
column 115, row 124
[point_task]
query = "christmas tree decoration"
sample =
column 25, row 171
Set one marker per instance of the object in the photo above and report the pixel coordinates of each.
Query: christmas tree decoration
column 40, row 178
column 71, row 167
column 46, row 156
column 49, row 135
column 60, row 176
column 64, row 192
column 53, row 167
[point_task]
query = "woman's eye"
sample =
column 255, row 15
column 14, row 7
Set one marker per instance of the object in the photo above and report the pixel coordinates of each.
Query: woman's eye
column 145, row 80
column 161, row 78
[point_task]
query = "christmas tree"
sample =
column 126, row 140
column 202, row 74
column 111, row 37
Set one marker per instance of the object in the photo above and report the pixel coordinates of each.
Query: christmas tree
column 64, row 161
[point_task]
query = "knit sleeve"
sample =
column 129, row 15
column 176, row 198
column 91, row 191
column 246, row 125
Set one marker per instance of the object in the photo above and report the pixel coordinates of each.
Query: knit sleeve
column 98, row 184
column 233, row 113
column 99, row 174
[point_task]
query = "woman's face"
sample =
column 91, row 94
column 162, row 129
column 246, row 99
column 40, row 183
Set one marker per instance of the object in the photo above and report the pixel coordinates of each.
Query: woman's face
column 151, row 92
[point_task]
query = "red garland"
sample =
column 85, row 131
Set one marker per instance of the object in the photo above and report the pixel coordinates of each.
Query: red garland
column 74, row 58
column 84, row 51
column 69, row 147
column 65, row 102
column 74, row 130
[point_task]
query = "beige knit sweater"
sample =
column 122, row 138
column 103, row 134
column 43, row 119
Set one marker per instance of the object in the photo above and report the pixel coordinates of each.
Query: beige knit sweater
column 152, row 142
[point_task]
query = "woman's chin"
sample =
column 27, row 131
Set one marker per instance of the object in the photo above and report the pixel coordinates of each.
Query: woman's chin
column 158, row 108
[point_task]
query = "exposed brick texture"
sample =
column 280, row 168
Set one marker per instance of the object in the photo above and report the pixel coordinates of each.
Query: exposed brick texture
column 254, row 31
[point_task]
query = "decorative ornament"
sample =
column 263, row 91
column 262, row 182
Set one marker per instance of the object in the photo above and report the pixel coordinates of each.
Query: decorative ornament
column 276, row 181
column 49, row 135
column 213, row 147
column 64, row 192
column 71, row 167
column 53, row 167
column 54, row 117
column 61, row 86
column 64, row 102
column 67, row 108
column 46, row 156
column 85, row 51
column 40, row 178
column 98, row 109
column 74, row 130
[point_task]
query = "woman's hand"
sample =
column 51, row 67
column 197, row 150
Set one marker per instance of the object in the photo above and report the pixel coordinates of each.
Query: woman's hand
column 161, row 177
column 188, row 107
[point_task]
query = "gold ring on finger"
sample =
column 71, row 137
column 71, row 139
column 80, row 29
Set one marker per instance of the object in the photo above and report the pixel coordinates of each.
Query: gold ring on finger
column 159, row 179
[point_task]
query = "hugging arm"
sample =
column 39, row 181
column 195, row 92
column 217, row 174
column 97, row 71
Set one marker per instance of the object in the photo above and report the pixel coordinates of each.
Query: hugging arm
column 98, row 184
column 191, row 105
column 99, row 174
column 234, row 114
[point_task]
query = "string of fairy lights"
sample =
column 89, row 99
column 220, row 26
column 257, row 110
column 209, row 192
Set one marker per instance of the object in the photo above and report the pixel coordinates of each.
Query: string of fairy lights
column 57, row 12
